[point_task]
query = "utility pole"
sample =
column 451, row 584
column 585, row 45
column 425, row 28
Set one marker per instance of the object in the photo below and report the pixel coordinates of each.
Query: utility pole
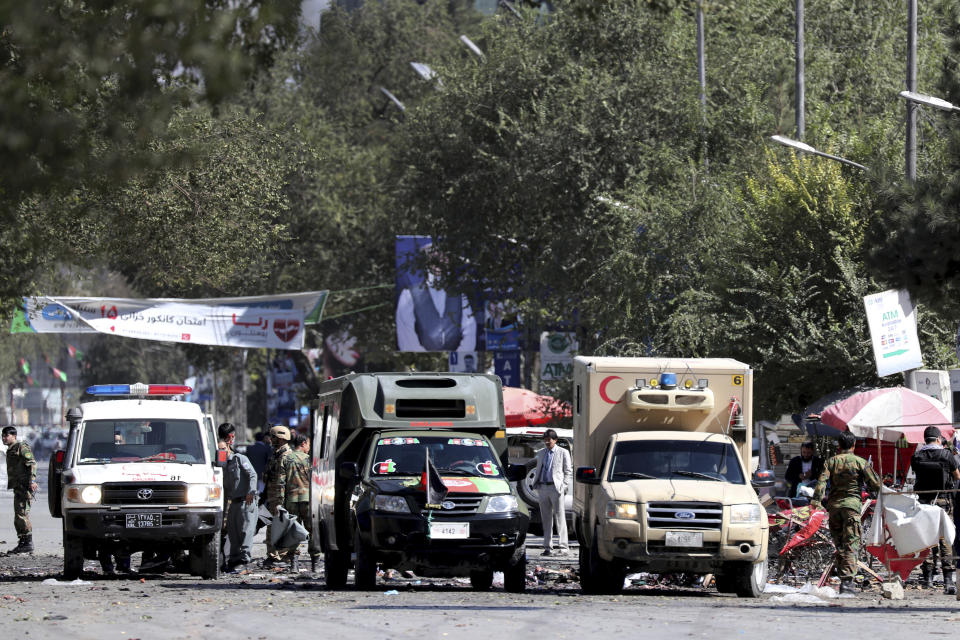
column 911, row 145
column 799, row 75
column 702, row 77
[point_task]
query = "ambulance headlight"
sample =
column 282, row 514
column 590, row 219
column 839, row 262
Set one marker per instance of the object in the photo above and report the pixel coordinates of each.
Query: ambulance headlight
column 623, row 510
column 83, row 493
column 745, row 513
column 202, row 493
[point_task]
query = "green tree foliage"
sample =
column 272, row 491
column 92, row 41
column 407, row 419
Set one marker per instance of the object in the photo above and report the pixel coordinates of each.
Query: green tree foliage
column 85, row 88
column 569, row 169
column 916, row 243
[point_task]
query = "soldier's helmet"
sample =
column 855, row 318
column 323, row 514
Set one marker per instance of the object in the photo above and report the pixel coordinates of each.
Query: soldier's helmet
column 280, row 433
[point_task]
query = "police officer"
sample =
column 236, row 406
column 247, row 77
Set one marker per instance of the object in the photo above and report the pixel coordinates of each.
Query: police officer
column 22, row 478
column 297, row 501
column 279, row 469
column 846, row 472
column 936, row 470
column 239, row 492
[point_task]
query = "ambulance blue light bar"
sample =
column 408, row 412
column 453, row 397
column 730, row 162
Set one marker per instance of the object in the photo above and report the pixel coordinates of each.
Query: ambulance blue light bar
column 138, row 389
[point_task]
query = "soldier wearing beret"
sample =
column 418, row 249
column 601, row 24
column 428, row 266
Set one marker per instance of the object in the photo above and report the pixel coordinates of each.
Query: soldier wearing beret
column 22, row 478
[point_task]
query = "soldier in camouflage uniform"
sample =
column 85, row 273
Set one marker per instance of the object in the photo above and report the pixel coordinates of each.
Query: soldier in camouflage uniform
column 847, row 473
column 22, row 478
column 282, row 482
column 298, row 500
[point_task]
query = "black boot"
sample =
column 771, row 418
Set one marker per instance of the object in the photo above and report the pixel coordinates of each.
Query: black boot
column 949, row 582
column 314, row 563
column 106, row 564
column 24, row 545
column 846, row 586
column 295, row 565
column 926, row 576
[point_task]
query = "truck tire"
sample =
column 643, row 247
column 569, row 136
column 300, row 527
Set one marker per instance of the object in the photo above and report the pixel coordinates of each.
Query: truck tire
column 209, row 552
column 72, row 556
column 515, row 576
column 599, row 576
column 481, row 580
column 746, row 579
column 336, row 564
column 365, row 566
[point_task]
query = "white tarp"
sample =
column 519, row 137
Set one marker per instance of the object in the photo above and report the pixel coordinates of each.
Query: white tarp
column 912, row 526
column 275, row 322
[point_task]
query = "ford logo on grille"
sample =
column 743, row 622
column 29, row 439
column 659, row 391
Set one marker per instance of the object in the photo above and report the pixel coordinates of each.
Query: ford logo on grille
column 684, row 515
column 145, row 494
column 448, row 504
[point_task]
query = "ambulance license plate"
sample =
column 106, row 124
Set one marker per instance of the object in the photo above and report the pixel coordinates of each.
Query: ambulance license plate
column 449, row 530
column 143, row 520
column 684, row 539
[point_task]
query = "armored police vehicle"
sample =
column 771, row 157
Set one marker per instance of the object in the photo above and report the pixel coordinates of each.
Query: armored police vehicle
column 409, row 473
column 138, row 472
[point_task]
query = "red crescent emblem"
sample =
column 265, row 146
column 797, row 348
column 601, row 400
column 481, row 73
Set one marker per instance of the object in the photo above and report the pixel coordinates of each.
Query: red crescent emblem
column 603, row 389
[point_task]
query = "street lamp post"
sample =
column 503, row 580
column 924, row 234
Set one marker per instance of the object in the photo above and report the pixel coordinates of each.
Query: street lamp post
column 801, row 146
column 799, row 73
column 930, row 101
column 911, row 143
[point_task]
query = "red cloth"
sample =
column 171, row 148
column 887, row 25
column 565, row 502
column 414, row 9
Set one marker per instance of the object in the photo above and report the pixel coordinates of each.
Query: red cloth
column 806, row 532
column 901, row 565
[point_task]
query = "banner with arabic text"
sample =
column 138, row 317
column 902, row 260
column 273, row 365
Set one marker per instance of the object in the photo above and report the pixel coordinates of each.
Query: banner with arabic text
column 274, row 322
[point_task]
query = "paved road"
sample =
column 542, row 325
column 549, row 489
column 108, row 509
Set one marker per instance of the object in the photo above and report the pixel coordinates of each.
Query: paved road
column 265, row 604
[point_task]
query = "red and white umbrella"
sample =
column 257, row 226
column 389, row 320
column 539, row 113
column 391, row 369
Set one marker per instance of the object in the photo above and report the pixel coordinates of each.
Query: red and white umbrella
column 891, row 412
column 524, row 408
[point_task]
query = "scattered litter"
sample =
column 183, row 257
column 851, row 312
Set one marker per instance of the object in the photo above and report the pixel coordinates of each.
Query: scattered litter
column 55, row 617
column 807, row 594
column 72, row 583
column 391, row 592
column 498, row 578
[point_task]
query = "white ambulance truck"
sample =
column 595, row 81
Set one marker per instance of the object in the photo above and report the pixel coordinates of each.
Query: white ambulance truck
column 661, row 484
column 140, row 472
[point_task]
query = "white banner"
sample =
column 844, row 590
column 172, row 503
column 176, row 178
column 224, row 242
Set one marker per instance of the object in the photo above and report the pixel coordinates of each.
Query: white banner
column 893, row 330
column 274, row 322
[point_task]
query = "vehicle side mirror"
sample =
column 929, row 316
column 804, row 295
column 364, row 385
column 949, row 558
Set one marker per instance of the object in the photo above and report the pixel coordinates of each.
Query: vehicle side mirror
column 762, row 479
column 221, row 458
column 588, row 475
column 349, row 470
column 516, row 472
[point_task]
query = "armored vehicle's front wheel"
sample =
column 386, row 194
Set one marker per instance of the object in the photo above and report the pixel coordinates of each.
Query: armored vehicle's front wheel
column 515, row 577
column 365, row 566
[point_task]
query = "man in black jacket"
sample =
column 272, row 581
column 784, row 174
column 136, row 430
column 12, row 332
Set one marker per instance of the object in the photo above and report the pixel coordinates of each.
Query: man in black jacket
column 936, row 470
column 804, row 468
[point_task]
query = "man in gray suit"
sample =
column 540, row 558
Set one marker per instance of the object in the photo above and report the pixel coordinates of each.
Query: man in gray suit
column 554, row 477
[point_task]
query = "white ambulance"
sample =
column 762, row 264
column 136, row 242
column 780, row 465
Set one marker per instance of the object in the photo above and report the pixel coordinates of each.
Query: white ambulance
column 139, row 472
